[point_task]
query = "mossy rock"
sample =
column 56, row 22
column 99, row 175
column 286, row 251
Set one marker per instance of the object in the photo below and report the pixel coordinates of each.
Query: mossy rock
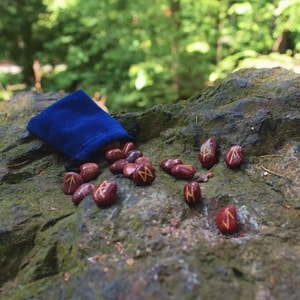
column 151, row 243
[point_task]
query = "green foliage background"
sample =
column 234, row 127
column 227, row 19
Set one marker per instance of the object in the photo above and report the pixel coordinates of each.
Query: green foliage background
column 142, row 53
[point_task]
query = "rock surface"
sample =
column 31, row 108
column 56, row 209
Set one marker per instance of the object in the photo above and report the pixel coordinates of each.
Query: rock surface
column 150, row 244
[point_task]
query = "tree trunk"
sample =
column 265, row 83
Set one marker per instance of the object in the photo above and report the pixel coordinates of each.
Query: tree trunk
column 282, row 43
column 176, row 22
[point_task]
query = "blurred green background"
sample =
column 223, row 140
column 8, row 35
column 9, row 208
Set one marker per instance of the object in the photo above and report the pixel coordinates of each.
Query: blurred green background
column 136, row 54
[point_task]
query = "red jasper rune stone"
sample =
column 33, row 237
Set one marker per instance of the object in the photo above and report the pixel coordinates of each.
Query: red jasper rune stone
column 127, row 148
column 88, row 171
column 169, row 163
column 128, row 169
column 234, row 156
column 71, row 182
column 208, row 153
column 84, row 190
column 105, row 193
column 112, row 145
column 113, row 155
column 143, row 160
column 133, row 155
column 144, row 174
column 183, row 171
column 117, row 166
column 192, row 193
column 226, row 220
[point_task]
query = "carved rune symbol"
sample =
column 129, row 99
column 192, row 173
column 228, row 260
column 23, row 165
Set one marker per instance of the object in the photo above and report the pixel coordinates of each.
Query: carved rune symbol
column 102, row 187
column 71, row 181
column 190, row 193
column 228, row 216
column 206, row 151
column 144, row 174
column 234, row 155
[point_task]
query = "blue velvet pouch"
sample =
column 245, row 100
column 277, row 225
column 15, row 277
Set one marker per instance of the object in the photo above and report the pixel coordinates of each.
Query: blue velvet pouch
column 76, row 126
